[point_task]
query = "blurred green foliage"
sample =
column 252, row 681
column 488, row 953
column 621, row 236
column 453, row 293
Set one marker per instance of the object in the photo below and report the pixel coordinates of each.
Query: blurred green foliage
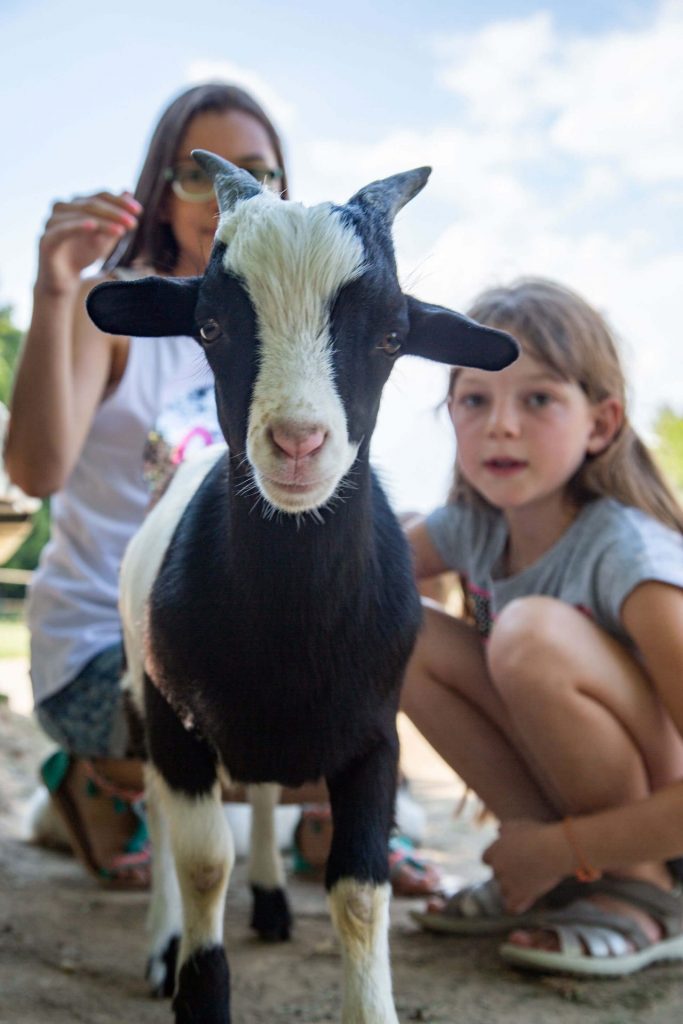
column 27, row 555
column 669, row 450
column 10, row 342
column 14, row 641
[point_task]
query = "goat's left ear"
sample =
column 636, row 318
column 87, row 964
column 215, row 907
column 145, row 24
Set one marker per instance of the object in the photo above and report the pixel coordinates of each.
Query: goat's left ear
column 390, row 195
column 150, row 307
column 446, row 337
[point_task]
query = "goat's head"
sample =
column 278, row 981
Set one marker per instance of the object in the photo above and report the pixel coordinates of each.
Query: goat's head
column 301, row 316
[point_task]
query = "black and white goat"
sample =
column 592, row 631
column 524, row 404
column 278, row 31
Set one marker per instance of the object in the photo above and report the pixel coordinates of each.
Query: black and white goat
column 268, row 602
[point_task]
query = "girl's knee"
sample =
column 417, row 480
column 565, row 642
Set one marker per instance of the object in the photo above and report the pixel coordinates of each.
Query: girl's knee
column 529, row 641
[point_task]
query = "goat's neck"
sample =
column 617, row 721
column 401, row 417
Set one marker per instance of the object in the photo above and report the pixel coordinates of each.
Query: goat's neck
column 329, row 529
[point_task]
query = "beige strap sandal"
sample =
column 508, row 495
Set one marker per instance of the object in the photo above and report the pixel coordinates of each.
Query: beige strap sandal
column 479, row 910
column 599, row 943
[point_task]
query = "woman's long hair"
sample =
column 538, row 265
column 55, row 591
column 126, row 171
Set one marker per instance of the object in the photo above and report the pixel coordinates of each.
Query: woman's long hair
column 153, row 243
column 557, row 327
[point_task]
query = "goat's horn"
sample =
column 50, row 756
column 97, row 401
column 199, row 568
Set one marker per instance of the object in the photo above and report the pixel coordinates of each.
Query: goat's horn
column 390, row 195
column 231, row 183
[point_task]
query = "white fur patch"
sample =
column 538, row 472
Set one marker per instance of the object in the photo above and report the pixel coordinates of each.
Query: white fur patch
column 360, row 914
column 204, row 856
column 265, row 862
column 293, row 261
column 165, row 915
column 143, row 558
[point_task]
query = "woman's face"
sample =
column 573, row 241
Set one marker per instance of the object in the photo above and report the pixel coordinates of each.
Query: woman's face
column 237, row 137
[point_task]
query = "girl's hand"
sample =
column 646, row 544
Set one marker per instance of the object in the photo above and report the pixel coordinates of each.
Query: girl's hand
column 78, row 233
column 528, row 859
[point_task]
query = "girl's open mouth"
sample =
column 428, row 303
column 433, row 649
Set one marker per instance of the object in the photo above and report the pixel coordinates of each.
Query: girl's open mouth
column 503, row 466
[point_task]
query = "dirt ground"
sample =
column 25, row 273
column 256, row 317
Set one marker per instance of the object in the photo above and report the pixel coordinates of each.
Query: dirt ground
column 70, row 952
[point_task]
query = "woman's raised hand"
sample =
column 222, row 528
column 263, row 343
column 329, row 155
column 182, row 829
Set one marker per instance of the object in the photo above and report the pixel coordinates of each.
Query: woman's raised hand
column 80, row 232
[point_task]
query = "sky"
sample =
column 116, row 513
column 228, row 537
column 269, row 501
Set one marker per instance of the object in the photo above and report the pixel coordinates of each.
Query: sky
column 555, row 131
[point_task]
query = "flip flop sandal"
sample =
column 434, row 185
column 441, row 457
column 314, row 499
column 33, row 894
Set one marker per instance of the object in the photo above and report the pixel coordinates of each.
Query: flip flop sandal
column 478, row 909
column 410, row 874
column 66, row 779
column 595, row 942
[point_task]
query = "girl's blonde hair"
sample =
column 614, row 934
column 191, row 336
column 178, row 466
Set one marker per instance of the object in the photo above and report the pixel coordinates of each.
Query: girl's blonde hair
column 558, row 328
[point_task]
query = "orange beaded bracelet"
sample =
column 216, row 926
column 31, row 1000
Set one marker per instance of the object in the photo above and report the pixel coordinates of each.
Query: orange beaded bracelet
column 584, row 871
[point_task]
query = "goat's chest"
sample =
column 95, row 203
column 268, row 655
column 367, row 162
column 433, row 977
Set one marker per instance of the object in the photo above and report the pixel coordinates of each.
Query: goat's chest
column 287, row 677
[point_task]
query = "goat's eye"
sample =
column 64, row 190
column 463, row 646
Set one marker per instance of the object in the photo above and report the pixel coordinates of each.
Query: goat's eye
column 390, row 344
column 211, row 330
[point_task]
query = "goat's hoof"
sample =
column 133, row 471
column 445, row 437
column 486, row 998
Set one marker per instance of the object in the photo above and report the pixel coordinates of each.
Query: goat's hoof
column 161, row 967
column 204, row 989
column 270, row 914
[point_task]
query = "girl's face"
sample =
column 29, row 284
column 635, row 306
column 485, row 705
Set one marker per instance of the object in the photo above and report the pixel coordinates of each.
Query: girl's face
column 235, row 136
column 523, row 432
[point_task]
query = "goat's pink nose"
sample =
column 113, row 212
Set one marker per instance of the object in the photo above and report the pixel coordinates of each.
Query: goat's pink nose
column 298, row 442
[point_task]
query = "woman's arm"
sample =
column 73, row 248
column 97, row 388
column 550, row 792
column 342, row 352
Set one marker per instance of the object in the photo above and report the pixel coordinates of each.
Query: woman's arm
column 66, row 362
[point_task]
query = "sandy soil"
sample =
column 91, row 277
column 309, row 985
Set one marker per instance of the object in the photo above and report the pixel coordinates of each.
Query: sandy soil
column 70, row 952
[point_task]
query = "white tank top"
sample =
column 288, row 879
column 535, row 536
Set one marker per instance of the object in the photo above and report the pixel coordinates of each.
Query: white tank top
column 73, row 605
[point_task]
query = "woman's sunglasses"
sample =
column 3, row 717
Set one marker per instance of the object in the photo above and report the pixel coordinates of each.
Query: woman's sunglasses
column 195, row 186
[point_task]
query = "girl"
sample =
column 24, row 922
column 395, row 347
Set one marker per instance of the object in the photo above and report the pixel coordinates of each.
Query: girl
column 82, row 408
column 561, row 705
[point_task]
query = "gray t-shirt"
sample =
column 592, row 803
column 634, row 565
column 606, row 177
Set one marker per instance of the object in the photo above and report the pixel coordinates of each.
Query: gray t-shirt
column 606, row 552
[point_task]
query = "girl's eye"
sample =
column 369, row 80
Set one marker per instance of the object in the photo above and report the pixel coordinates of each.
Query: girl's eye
column 538, row 400
column 210, row 330
column 472, row 401
column 390, row 344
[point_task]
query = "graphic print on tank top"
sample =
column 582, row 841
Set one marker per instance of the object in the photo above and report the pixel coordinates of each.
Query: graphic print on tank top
column 185, row 426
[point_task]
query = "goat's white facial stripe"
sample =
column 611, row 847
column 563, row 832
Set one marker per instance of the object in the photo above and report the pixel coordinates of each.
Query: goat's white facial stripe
column 293, row 261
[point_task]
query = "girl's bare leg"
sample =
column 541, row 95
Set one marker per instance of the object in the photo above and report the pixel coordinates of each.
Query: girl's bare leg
column 586, row 714
column 449, row 696
column 582, row 706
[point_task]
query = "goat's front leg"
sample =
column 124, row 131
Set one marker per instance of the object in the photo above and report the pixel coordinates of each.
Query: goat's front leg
column 204, row 856
column 271, row 916
column 165, row 917
column 189, row 794
column 357, row 880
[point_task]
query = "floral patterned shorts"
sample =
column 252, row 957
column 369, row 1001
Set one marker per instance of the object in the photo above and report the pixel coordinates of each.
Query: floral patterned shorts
column 88, row 716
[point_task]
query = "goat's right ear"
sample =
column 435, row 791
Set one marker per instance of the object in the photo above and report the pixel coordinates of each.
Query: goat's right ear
column 150, row 307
